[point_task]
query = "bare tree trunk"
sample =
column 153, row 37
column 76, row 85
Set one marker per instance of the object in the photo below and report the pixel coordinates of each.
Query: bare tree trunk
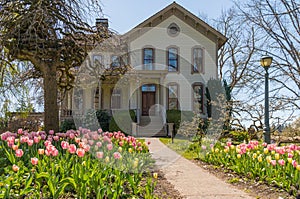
column 51, row 118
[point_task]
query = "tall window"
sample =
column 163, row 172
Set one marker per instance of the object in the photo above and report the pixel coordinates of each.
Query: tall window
column 148, row 56
column 116, row 99
column 115, row 61
column 198, row 97
column 172, row 59
column 97, row 60
column 173, row 96
column 198, row 60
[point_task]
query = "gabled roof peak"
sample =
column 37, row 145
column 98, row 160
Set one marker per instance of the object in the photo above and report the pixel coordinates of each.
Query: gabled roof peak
column 186, row 16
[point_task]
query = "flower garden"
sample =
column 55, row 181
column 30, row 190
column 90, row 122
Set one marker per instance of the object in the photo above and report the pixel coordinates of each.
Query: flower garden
column 75, row 164
column 277, row 166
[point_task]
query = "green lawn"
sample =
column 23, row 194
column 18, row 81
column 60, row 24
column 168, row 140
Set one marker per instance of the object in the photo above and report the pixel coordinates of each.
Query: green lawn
column 183, row 147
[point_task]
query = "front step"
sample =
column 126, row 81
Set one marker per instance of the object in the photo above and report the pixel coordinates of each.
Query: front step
column 151, row 126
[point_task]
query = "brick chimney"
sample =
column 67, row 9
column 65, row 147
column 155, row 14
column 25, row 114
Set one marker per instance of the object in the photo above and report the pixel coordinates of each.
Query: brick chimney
column 102, row 23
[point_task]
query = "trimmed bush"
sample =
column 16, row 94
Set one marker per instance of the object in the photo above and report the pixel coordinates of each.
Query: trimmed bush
column 178, row 116
column 67, row 124
column 103, row 119
column 121, row 122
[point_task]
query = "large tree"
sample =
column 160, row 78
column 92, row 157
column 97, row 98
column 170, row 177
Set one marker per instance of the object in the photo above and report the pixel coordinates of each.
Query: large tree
column 54, row 35
column 256, row 28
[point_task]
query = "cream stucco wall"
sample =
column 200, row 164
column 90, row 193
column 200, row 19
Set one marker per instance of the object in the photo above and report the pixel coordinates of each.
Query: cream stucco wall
column 188, row 38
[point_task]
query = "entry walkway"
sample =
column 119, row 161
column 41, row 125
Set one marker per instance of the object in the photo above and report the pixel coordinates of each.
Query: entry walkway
column 188, row 178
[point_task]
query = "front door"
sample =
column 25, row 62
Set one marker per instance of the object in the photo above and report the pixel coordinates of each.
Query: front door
column 148, row 100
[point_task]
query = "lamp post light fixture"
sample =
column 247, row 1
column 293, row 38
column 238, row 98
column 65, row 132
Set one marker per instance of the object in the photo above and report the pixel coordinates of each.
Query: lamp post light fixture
column 266, row 62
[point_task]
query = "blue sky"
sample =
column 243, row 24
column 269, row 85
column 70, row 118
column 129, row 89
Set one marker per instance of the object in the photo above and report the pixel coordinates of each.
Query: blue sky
column 123, row 15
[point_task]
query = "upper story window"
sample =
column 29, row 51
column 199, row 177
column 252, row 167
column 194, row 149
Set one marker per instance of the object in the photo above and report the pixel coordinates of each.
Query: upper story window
column 198, row 96
column 198, row 60
column 172, row 59
column 97, row 60
column 173, row 96
column 115, row 61
column 148, row 58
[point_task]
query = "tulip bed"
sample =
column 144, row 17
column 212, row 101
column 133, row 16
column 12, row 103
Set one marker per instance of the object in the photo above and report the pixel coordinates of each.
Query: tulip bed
column 75, row 164
column 278, row 166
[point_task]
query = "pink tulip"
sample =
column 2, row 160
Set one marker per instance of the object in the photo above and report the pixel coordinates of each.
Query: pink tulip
column 109, row 147
column 24, row 139
column 43, row 137
column 72, row 148
column 80, row 152
column 91, row 142
column 10, row 140
column 54, row 152
column 264, row 144
column 72, row 136
column 294, row 163
column 100, row 131
column 281, row 162
column 47, row 143
column 51, row 132
column 15, row 168
column 20, row 131
column 19, row 153
column 36, row 139
column 99, row 144
column 99, row 154
column 86, row 148
column 64, row 145
column 273, row 162
column 34, row 161
column 117, row 155
column 290, row 155
column 47, row 152
column 30, row 142
column 120, row 143
column 55, row 138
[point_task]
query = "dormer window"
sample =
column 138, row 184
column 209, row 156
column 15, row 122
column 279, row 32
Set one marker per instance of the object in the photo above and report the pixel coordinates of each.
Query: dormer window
column 173, row 30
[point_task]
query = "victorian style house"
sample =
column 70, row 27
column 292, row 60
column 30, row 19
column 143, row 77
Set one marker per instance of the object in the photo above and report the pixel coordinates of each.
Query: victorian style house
column 162, row 64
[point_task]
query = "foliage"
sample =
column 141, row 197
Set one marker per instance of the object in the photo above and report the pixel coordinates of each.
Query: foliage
column 103, row 119
column 67, row 124
column 256, row 28
column 278, row 166
column 239, row 136
column 53, row 36
column 121, row 122
column 75, row 164
column 177, row 116
column 184, row 147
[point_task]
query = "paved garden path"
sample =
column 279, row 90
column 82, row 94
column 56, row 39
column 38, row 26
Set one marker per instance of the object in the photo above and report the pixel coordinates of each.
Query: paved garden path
column 188, row 178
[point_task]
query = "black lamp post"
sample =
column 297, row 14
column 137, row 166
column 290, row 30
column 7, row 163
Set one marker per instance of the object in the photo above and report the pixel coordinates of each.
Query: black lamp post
column 266, row 62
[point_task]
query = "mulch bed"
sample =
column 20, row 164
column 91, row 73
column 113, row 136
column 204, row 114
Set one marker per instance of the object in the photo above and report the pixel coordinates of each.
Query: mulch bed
column 164, row 189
